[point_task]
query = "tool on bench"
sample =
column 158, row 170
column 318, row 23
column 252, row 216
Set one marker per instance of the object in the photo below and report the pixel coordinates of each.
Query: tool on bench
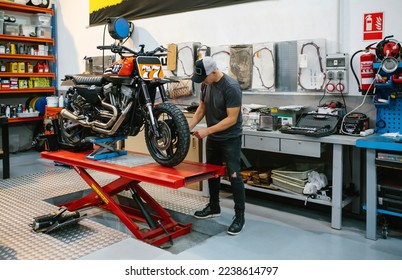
column 314, row 124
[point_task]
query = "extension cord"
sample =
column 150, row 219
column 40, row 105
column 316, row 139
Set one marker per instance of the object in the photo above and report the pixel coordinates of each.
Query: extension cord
column 367, row 132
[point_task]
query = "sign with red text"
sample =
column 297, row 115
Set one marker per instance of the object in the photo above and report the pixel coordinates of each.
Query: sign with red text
column 373, row 26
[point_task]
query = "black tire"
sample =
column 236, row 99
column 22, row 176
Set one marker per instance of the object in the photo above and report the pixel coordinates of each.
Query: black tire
column 172, row 147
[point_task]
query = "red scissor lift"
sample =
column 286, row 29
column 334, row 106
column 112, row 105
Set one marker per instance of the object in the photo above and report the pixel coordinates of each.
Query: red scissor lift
column 162, row 227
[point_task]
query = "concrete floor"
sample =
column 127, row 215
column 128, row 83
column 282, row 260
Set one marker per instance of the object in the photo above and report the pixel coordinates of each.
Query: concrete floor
column 275, row 230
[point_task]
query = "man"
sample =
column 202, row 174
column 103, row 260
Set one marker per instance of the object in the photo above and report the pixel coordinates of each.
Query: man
column 220, row 103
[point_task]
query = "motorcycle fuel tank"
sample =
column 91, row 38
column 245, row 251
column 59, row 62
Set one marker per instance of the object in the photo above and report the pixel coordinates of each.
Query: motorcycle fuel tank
column 122, row 68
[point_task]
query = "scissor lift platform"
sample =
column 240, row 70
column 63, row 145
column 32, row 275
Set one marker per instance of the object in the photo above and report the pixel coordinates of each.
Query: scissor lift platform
column 162, row 227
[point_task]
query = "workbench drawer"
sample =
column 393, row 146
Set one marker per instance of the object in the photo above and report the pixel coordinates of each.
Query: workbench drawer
column 261, row 143
column 301, row 148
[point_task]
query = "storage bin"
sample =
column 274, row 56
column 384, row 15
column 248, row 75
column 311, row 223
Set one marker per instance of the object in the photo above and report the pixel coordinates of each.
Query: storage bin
column 44, row 32
column 43, row 20
column 27, row 30
column 11, row 28
column 52, row 101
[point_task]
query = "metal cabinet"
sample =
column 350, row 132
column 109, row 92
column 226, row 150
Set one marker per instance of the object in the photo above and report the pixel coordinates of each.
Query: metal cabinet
column 261, row 143
column 286, row 146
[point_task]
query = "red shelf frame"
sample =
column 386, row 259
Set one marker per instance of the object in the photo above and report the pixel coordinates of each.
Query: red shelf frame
column 22, row 120
column 29, row 90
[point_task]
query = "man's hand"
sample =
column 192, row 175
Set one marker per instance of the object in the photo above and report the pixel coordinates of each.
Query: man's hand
column 201, row 133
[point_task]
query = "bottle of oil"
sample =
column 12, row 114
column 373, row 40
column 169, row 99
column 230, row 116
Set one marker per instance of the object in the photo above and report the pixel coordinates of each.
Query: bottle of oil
column 61, row 100
column 3, row 67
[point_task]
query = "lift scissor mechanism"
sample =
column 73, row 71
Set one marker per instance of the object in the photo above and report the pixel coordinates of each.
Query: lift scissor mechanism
column 141, row 208
column 107, row 147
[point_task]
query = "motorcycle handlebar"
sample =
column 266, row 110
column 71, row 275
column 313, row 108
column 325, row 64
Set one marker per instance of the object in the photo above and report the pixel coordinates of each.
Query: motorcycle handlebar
column 122, row 49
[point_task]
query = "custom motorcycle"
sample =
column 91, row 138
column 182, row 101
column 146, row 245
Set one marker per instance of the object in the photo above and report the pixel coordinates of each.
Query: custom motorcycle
column 122, row 102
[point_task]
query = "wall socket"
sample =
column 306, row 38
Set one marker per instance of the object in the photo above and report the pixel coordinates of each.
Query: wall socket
column 337, row 73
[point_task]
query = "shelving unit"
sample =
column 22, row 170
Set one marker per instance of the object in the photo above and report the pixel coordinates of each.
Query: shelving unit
column 20, row 9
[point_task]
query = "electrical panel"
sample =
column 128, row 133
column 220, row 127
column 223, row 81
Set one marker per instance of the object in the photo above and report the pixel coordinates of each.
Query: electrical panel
column 337, row 73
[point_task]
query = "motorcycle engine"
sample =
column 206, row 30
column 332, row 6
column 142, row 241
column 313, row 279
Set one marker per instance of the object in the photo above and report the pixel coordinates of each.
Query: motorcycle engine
column 82, row 107
column 117, row 96
column 97, row 108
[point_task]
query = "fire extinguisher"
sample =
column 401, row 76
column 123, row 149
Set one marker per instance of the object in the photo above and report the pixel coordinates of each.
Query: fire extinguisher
column 367, row 70
column 367, row 74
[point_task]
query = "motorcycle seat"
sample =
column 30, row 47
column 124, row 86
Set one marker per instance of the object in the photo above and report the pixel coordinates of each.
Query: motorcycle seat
column 87, row 80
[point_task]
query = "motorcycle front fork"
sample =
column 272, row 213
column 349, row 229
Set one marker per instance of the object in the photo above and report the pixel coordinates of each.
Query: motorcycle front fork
column 149, row 106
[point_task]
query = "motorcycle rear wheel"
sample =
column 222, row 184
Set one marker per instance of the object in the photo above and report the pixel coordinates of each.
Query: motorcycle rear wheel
column 174, row 143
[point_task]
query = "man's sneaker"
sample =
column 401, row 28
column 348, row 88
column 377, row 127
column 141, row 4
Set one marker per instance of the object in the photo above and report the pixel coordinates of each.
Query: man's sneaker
column 237, row 224
column 210, row 211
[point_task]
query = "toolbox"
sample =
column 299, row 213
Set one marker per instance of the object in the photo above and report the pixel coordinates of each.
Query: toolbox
column 390, row 204
column 355, row 123
column 389, row 191
column 314, row 124
column 389, row 183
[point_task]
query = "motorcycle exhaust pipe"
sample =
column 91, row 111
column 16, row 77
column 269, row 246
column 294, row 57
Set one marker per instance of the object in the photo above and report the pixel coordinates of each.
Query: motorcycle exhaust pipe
column 113, row 130
column 67, row 114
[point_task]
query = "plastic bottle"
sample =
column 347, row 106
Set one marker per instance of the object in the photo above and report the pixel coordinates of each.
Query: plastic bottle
column 8, row 111
column 2, row 67
column 61, row 100
column 45, row 67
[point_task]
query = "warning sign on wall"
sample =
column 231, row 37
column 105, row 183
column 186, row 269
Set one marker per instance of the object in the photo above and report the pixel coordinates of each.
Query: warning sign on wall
column 373, row 26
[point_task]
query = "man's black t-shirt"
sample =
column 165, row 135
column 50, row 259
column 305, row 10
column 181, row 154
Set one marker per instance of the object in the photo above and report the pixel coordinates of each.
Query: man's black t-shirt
column 217, row 97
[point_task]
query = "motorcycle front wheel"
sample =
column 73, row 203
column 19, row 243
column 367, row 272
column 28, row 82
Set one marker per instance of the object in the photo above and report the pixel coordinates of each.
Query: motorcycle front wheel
column 172, row 146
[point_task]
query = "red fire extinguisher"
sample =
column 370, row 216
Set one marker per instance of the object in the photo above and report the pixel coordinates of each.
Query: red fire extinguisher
column 367, row 70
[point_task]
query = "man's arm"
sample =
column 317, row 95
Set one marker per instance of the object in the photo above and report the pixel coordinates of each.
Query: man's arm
column 229, row 121
column 198, row 115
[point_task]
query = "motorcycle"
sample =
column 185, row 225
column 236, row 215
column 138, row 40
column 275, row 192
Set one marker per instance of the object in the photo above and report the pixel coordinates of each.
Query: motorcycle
column 122, row 102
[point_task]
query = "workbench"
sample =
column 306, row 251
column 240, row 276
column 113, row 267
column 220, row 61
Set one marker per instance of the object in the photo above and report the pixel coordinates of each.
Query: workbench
column 131, row 170
column 372, row 144
column 300, row 145
column 5, row 150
